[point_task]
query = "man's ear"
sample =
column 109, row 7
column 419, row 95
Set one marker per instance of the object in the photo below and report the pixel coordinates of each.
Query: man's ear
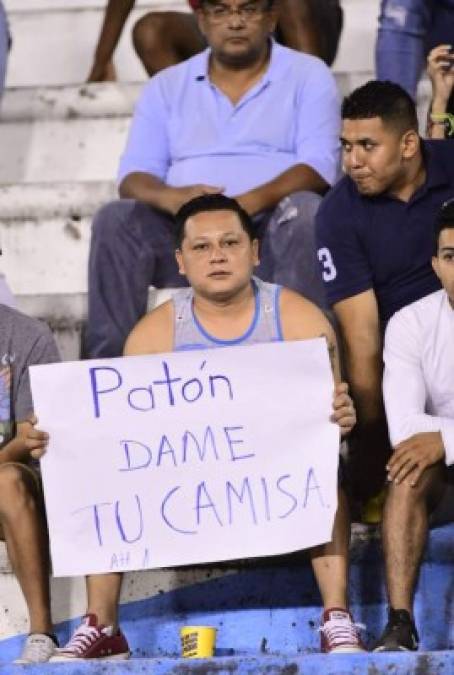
column 179, row 259
column 435, row 265
column 410, row 144
column 255, row 252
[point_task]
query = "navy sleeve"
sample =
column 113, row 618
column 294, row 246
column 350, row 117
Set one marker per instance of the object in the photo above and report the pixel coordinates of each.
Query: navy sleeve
column 344, row 265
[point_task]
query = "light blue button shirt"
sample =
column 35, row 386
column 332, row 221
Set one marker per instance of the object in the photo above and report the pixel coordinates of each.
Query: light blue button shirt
column 186, row 131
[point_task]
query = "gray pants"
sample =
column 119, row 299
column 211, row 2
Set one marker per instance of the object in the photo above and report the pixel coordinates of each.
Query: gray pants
column 4, row 46
column 132, row 248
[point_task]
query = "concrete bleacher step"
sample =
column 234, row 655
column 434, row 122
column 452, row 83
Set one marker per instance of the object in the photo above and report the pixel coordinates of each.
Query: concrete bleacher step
column 48, row 225
column 266, row 611
column 426, row 663
column 54, row 40
column 66, row 316
column 67, row 133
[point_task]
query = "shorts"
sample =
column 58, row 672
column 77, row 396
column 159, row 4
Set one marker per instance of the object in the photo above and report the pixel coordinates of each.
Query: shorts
column 35, row 480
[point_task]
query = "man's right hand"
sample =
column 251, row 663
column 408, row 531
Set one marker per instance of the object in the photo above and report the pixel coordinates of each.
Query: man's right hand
column 411, row 457
column 173, row 198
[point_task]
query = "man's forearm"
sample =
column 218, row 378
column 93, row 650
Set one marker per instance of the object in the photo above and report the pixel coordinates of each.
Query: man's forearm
column 364, row 374
column 152, row 191
column 267, row 196
column 14, row 451
column 145, row 188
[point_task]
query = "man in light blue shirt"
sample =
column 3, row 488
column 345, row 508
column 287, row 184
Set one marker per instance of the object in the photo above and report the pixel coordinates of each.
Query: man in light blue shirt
column 246, row 117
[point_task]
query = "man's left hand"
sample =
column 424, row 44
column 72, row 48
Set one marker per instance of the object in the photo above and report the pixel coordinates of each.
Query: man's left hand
column 411, row 457
column 344, row 410
column 35, row 440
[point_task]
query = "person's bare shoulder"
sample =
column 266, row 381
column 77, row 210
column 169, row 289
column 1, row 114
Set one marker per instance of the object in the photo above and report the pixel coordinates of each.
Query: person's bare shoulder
column 154, row 332
column 301, row 319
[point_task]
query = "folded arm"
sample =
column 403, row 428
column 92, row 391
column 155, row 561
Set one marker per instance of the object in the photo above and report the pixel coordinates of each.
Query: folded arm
column 418, row 438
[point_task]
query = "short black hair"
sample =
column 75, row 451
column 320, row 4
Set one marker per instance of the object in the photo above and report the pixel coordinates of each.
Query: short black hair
column 269, row 3
column 384, row 99
column 217, row 202
column 444, row 221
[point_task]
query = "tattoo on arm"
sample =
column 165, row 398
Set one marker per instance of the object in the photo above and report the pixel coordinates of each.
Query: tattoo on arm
column 331, row 351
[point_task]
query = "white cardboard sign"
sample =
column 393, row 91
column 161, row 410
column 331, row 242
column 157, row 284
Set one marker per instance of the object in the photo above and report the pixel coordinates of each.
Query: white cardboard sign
column 190, row 457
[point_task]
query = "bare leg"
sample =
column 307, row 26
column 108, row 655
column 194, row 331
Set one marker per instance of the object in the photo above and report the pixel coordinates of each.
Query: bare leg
column 297, row 28
column 24, row 529
column 330, row 561
column 103, row 591
column 311, row 26
column 405, row 532
column 162, row 39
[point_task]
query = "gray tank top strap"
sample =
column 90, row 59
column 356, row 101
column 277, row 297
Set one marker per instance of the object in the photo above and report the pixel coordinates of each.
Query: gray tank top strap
column 265, row 325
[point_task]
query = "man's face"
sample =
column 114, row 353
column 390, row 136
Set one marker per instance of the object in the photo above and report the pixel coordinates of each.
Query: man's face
column 237, row 30
column 443, row 262
column 216, row 254
column 375, row 156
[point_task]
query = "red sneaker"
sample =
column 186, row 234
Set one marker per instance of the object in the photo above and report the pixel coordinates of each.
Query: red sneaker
column 340, row 633
column 90, row 641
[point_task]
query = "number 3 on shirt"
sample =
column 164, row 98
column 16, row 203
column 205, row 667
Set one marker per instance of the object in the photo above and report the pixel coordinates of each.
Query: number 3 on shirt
column 329, row 270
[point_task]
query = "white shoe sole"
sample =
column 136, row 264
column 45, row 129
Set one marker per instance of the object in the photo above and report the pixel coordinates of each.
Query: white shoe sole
column 115, row 657
column 378, row 650
column 27, row 662
column 347, row 650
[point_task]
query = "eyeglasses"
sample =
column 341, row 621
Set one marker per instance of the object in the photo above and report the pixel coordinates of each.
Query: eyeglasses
column 219, row 13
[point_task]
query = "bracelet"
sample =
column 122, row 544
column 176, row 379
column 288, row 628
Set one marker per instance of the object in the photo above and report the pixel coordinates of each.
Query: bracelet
column 446, row 119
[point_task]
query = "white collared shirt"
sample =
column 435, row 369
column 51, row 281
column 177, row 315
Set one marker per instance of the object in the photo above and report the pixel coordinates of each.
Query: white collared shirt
column 418, row 381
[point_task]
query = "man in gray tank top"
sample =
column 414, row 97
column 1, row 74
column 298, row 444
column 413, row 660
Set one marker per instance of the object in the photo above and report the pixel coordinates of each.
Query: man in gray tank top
column 226, row 305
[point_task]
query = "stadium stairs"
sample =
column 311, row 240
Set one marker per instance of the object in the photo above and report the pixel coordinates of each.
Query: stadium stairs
column 60, row 141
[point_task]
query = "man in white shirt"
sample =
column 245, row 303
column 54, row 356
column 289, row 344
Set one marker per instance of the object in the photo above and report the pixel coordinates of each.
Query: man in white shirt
column 418, row 389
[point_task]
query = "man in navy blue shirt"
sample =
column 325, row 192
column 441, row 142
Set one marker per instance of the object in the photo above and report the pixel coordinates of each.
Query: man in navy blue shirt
column 374, row 232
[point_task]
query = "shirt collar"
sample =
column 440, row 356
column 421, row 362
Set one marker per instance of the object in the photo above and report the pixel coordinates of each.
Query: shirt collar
column 275, row 68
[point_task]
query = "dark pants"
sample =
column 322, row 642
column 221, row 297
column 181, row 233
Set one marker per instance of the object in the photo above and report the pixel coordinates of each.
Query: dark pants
column 132, row 248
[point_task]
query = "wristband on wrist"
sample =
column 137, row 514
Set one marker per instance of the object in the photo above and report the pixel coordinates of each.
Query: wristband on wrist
column 446, row 120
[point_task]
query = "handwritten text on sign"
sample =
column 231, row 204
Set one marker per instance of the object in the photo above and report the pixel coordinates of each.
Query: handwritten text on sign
column 190, row 457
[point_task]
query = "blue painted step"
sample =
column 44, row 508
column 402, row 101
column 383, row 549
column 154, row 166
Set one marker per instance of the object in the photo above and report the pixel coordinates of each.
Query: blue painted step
column 428, row 663
column 272, row 607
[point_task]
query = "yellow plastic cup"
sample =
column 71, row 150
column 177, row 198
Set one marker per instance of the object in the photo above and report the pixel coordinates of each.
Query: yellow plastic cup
column 197, row 642
column 372, row 511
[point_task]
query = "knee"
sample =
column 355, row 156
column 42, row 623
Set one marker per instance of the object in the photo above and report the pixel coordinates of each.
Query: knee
column 297, row 213
column 149, row 33
column 111, row 218
column 306, row 202
column 14, row 489
column 405, row 495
